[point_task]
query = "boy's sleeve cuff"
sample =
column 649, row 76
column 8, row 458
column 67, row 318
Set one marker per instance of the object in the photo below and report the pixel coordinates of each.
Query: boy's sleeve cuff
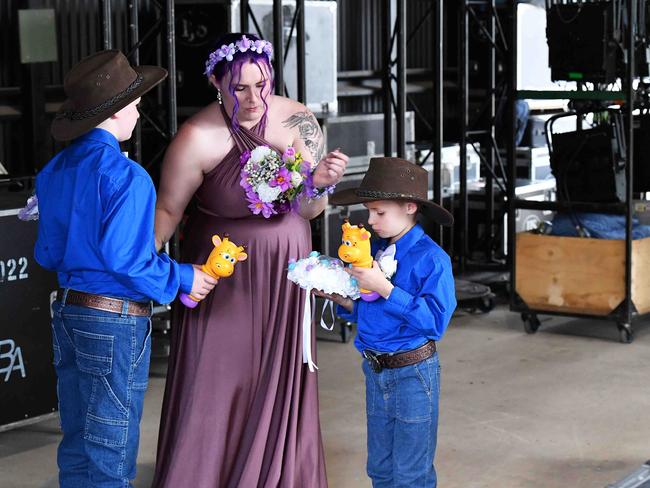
column 397, row 301
column 187, row 277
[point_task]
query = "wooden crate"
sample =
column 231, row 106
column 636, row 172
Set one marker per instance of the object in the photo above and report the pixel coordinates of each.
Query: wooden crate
column 578, row 275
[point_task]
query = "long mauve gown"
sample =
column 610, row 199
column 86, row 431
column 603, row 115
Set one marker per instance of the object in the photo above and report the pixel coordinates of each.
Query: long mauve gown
column 240, row 407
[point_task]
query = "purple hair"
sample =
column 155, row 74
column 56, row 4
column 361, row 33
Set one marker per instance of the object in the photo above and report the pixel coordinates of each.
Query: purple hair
column 223, row 67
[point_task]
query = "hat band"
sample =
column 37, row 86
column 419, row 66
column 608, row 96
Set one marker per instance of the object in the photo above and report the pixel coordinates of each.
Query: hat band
column 384, row 195
column 86, row 114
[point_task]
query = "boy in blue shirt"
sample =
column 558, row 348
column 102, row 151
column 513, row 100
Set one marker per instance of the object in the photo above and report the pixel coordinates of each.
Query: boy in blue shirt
column 96, row 230
column 397, row 333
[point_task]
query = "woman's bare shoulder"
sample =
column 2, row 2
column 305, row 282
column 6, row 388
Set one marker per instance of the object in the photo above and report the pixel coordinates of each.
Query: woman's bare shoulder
column 286, row 108
column 205, row 136
column 204, row 125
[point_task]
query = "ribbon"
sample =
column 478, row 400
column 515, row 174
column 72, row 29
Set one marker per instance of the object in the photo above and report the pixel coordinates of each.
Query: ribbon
column 327, row 303
column 306, row 333
column 307, row 320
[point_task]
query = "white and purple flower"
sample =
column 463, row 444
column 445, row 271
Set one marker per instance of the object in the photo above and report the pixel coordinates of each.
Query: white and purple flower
column 274, row 183
column 244, row 44
column 228, row 51
column 282, row 180
column 289, row 154
column 257, row 206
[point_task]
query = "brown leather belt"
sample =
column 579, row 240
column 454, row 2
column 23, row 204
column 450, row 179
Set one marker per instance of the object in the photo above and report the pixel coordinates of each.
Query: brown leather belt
column 400, row 359
column 106, row 304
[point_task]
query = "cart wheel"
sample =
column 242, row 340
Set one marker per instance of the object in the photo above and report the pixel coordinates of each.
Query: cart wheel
column 625, row 333
column 531, row 322
column 486, row 304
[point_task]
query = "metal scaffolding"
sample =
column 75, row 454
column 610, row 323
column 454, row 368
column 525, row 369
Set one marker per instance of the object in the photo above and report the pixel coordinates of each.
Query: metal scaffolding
column 395, row 38
column 482, row 15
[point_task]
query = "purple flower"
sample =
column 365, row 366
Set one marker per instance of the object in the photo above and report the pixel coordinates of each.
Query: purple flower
column 226, row 52
column 309, row 190
column 245, row 156
column 282, row 179
column 258, row 46
column 211, row 62
column 257, row 206
column 245, row 184
column 305, row 167
column 308, row 184
column 289, row 153
column 244, row 44
column 30, row 211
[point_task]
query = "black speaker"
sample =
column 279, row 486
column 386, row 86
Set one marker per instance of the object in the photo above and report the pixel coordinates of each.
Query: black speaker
column 581, row 44
column 26, row 373
column 198, row 26
column 589, row 165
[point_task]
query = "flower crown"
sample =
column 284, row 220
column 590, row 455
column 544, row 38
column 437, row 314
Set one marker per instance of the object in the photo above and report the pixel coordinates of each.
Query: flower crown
column 227, row 51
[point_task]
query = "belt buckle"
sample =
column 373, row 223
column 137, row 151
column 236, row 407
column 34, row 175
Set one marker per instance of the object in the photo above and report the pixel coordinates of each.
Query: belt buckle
column 374, row 361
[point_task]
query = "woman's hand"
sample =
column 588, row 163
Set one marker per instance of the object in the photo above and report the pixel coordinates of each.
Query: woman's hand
column 372, row 279
column 330, row 169
column 346, row 303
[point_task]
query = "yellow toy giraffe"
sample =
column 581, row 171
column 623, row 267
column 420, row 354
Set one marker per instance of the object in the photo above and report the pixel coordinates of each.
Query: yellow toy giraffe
column 220, row 264
column 355, row 250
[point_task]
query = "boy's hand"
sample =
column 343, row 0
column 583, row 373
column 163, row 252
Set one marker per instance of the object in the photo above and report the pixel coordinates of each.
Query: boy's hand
column 203, row 283
column 346, row 303
column 372, row 279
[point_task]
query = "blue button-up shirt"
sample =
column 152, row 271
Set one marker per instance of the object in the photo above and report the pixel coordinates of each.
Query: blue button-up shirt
column 96, row 224
column 419, row 306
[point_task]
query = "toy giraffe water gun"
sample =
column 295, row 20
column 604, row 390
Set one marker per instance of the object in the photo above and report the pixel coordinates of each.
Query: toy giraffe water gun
column 355, row 250
column 220, row 264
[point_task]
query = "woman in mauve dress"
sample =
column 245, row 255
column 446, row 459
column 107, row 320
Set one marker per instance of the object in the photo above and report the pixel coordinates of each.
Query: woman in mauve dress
column 240, row 407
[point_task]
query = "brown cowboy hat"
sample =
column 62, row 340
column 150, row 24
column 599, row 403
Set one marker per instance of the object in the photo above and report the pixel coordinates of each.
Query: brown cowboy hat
column 99, row 86
column 394, row 179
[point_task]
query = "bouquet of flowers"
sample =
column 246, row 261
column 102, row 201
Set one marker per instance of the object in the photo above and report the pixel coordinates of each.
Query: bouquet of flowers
column 324, row 273
column 321, row 273
column 272, row 182
column 30, row 211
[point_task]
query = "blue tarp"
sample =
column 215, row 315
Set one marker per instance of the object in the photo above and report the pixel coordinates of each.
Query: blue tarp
column 599, row 226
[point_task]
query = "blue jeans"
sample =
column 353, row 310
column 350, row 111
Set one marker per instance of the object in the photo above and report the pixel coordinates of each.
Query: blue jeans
column 102, row 365
column 402, row 411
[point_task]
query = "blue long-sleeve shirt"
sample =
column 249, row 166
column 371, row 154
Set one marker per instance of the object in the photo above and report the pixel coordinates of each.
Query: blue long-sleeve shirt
column 96, row 224
column 420, row 305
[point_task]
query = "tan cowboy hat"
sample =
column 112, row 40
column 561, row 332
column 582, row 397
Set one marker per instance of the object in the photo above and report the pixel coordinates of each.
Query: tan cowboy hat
column 394, row 179
column 99, row 86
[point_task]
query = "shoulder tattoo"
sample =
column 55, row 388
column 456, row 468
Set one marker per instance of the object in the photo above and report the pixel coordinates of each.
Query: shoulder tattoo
column 310, row 132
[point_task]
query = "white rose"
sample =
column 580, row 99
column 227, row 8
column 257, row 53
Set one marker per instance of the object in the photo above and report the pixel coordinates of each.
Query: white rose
column 259, row 153
column 267, row 193
column 296, row 179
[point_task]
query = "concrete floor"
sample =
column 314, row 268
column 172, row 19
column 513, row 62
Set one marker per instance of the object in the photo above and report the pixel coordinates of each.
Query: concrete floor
column 567, row 407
